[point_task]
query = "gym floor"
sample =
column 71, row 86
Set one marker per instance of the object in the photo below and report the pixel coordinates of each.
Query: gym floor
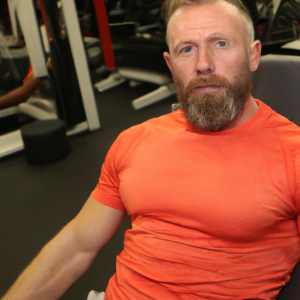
column 36, row 201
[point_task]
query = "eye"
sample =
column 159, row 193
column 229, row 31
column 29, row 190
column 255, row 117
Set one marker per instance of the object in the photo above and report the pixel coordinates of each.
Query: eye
column 187, row 49
column 222, row 43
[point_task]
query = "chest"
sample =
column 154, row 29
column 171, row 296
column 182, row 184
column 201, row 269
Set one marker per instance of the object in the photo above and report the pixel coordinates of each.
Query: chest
column 226, row 187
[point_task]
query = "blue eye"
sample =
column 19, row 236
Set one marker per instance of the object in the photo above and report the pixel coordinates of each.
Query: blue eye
column 221, row 44
column 187, row 49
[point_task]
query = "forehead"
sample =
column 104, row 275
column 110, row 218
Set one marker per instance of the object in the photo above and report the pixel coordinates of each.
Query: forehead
column 205, row 19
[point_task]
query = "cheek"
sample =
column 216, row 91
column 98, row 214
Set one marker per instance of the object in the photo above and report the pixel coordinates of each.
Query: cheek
column 184, row 69
column 233, row 65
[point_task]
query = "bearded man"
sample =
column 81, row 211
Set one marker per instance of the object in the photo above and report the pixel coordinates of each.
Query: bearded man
column 213, row 188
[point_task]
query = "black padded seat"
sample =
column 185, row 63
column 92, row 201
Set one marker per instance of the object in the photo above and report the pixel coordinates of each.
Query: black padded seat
column 292, row 289
column 45, row 141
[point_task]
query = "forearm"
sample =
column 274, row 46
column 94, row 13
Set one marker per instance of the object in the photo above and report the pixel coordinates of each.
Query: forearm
column 51, row 273
column 68, row 255
column 21, row 94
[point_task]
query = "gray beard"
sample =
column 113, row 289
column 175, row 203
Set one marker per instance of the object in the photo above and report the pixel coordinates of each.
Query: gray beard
column 212, row 115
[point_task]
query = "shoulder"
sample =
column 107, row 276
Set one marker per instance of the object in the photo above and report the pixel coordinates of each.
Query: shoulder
column 163, row 124
column 289, row 136
column 288, row 132
column 145, row 134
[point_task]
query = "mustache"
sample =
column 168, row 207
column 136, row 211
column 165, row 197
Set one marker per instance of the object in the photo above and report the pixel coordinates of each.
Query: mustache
column 213, row 79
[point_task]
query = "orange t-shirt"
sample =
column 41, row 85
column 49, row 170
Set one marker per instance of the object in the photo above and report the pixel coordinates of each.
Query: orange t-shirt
column 214, row 215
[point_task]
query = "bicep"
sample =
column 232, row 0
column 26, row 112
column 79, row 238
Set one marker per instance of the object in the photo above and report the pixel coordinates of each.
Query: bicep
column 96, row 224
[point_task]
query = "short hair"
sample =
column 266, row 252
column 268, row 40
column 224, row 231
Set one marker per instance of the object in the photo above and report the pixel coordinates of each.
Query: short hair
column 172, row 5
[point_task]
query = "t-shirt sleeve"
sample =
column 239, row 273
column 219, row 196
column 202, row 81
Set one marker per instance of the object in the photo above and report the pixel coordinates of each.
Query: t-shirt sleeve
column 290, row 141
column 29, row 74
column 107, row 189
column 296, row 183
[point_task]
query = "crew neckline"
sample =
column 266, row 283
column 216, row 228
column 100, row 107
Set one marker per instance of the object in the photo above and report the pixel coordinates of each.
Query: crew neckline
column 262, row 113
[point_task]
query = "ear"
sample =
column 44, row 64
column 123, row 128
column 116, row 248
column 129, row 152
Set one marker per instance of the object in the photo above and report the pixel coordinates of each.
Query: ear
column 168, row 60
column 255, row 49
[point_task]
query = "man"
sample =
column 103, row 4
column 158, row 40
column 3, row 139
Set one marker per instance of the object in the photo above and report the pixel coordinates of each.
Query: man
column 212, row 188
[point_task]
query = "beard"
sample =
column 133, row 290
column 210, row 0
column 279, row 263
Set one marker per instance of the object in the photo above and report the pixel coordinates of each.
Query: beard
column 213, row 110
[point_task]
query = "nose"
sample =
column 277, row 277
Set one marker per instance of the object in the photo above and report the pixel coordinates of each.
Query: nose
column 205, row 62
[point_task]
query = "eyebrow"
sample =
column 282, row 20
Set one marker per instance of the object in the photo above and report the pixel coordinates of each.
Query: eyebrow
column 218, row 35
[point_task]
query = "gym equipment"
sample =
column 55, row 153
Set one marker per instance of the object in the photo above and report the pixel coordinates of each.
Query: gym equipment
column 283, row 26
column 25, row 12
column 276, row 83
column 140, row 46
column 291, row 290
column 75, row 102
column 45, row 141
column 71, row 76
column 14, row 65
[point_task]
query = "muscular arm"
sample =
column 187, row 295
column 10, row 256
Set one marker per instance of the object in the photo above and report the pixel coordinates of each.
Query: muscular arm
column 65, row 258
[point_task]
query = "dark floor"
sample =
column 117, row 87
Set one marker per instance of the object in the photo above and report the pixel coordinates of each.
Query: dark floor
column 36, row 201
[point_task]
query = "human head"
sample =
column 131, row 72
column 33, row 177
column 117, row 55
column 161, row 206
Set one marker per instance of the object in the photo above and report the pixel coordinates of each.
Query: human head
column 211, row 59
